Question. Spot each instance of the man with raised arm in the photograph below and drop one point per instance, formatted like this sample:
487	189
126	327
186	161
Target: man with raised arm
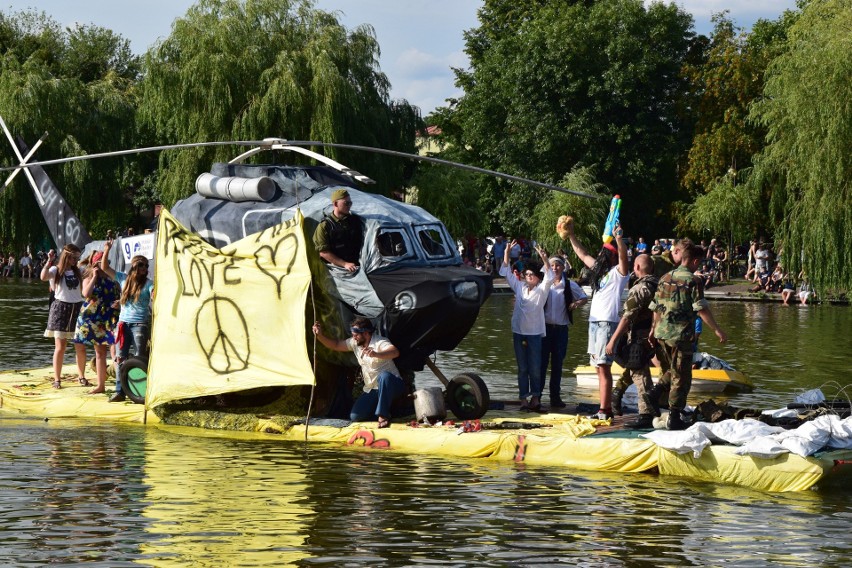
382	381
609	277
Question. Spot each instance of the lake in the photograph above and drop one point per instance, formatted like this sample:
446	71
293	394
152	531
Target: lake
74	491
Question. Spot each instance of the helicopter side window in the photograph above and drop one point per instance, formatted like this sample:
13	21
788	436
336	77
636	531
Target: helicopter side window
432	242
392	243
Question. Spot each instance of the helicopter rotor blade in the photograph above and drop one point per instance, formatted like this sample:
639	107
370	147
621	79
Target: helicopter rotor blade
269	142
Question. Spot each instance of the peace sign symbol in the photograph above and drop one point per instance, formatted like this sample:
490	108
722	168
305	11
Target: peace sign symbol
223	335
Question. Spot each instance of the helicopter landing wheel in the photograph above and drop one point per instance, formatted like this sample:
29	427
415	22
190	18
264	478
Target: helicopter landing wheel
467	396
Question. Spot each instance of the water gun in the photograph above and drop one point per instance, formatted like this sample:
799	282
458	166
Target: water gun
612	219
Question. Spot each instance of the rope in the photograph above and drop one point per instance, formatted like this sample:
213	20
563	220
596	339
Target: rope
314	386
314	349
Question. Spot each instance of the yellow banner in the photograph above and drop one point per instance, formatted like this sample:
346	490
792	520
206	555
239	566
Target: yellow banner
229	319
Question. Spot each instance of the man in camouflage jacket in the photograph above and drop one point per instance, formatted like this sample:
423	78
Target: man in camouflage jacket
637	319
679	297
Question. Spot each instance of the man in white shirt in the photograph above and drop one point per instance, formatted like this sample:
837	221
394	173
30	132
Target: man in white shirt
382	381
610	275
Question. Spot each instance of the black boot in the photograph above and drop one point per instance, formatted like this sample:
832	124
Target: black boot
652	398
675	421
644	422
617	395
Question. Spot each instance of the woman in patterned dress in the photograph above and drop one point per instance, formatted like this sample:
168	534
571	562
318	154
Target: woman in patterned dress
98	316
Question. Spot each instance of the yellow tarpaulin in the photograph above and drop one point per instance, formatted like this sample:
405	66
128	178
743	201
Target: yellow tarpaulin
228	319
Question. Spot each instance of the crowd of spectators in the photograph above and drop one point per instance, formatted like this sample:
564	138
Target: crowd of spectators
755	261
24	265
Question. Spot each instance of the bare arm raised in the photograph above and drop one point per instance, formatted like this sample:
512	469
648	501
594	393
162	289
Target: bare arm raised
623	267
108	270
581	252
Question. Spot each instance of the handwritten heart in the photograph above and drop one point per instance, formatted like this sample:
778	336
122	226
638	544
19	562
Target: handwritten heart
278	256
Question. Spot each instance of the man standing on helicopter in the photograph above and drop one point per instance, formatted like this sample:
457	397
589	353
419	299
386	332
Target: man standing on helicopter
339	236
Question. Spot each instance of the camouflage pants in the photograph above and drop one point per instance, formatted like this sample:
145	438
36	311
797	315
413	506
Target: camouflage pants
642	379
676	365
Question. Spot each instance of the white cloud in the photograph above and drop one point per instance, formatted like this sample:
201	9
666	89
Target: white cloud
428	94
743	12
415	64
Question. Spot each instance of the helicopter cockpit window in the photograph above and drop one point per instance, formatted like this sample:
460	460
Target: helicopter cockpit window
393	243
433	242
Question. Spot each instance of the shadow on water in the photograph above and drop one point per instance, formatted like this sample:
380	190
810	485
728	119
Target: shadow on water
113	495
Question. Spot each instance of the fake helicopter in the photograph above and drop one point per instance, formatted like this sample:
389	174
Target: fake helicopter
412	283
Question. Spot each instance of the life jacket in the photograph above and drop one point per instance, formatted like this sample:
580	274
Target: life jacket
345	239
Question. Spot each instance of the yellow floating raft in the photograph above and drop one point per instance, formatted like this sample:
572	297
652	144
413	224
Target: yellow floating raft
562	440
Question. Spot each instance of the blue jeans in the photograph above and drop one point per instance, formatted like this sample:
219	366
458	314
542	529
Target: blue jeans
554	347
528	354
377	402
136	337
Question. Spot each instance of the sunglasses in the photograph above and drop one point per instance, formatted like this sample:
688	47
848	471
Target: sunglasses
530	273
347	202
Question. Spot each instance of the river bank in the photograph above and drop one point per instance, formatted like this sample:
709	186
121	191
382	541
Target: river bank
737	290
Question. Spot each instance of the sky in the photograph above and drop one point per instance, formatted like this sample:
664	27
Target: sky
420	40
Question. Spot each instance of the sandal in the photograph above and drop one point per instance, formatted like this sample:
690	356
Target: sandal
57	384
84	382
383	423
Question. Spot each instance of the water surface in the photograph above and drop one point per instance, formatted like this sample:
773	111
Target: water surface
74	491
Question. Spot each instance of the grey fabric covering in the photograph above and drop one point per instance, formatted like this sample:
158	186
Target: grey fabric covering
221	222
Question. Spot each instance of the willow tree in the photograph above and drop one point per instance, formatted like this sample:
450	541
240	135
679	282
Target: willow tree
808	159
728	208
77	84
589	214
246	70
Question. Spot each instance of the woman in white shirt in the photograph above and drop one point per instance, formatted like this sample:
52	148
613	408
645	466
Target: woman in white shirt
564	297
528	326
62	321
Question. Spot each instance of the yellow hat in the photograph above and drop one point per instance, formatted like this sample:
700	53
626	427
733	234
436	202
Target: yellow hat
339	194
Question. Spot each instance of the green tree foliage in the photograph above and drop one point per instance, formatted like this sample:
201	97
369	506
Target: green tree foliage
589	214
807	163
446	193
558	84
246	70
77	84
729	208
724	85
